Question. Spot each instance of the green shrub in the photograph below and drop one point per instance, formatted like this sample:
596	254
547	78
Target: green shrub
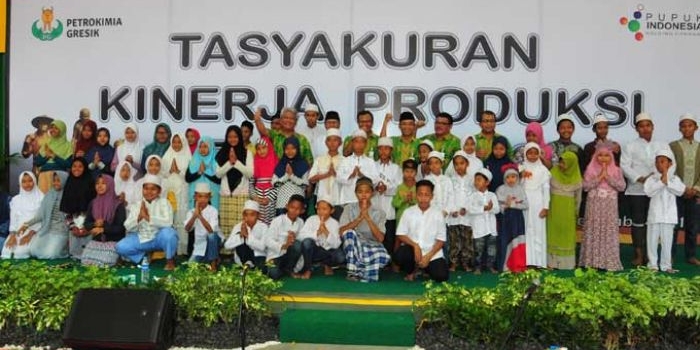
202	295
591	309
37	295
34	294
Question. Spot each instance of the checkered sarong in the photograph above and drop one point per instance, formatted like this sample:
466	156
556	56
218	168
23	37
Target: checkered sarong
364	258
230	212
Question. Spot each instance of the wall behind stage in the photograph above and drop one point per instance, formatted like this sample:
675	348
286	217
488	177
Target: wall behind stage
212	62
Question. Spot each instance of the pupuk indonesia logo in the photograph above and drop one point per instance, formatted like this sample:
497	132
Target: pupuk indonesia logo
633	24
47	27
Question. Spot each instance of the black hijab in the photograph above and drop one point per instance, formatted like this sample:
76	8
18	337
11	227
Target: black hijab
233	176
78	191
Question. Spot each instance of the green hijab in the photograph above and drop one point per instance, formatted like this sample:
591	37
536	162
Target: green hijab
571	174
59	144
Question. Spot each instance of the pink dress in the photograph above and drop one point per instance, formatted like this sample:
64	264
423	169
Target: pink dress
600	247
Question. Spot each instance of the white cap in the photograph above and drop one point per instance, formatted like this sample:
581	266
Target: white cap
359	133
665	153
332	132
642	116
436	154
485	172
251	205
151	179
598	118
428	143
385	141
510	171
202	187
565	116
325	198
687	116
462	154
311	108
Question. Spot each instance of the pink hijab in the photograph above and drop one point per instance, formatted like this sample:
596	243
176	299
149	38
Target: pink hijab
536	128
593	168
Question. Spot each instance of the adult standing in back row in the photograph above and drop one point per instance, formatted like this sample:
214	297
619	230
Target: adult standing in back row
443	140
288	122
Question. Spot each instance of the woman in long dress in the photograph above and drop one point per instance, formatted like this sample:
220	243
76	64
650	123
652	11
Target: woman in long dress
51	241
23	207
175	162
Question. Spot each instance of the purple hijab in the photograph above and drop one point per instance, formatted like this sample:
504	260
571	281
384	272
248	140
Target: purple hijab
105	206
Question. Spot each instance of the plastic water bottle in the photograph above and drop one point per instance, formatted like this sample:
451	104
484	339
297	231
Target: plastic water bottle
145	271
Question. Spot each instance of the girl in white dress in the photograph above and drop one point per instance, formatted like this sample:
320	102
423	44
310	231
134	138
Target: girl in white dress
23	208
535	180
175	162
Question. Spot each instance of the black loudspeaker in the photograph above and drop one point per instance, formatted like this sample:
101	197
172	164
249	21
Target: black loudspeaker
120	319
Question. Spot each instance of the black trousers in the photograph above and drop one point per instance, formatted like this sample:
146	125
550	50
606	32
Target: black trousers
437	269
639	210
689	222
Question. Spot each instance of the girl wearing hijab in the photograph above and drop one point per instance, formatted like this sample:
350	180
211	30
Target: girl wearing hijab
202	168
101	154
104	223
130	150
264	192
534	133
565	188
54	155
160	144
496	160
78	192
23	207
125	186
535	180
51	241
87	139
291	174
600	248
174	163
193	137
234	168
475	163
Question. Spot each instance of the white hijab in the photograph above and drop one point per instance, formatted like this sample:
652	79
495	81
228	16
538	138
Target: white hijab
25	205
540	173
130	148
181	158
131	190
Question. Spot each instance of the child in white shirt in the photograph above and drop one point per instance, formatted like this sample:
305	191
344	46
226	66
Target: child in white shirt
390	177
459	228
663	187
204	219
483	207
248	236
320	240
282	248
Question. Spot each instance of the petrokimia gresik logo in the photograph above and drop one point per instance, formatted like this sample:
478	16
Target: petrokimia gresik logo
47	27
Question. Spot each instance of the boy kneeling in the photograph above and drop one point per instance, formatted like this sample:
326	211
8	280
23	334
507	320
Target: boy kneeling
204	219
320	241
422	232
149	226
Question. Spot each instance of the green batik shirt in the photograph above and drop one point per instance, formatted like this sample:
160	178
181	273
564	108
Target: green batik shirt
449	146
304	146
403	151
370	149
399	201
486	144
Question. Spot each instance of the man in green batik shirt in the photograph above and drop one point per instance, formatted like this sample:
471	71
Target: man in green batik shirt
288	121
365	122
443	140
406	145
484	139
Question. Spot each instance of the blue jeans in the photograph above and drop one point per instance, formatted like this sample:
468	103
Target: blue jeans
285	263
131	248
312	253
212	252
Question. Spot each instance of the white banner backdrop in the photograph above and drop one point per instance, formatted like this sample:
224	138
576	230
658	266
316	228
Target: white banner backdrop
212	62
